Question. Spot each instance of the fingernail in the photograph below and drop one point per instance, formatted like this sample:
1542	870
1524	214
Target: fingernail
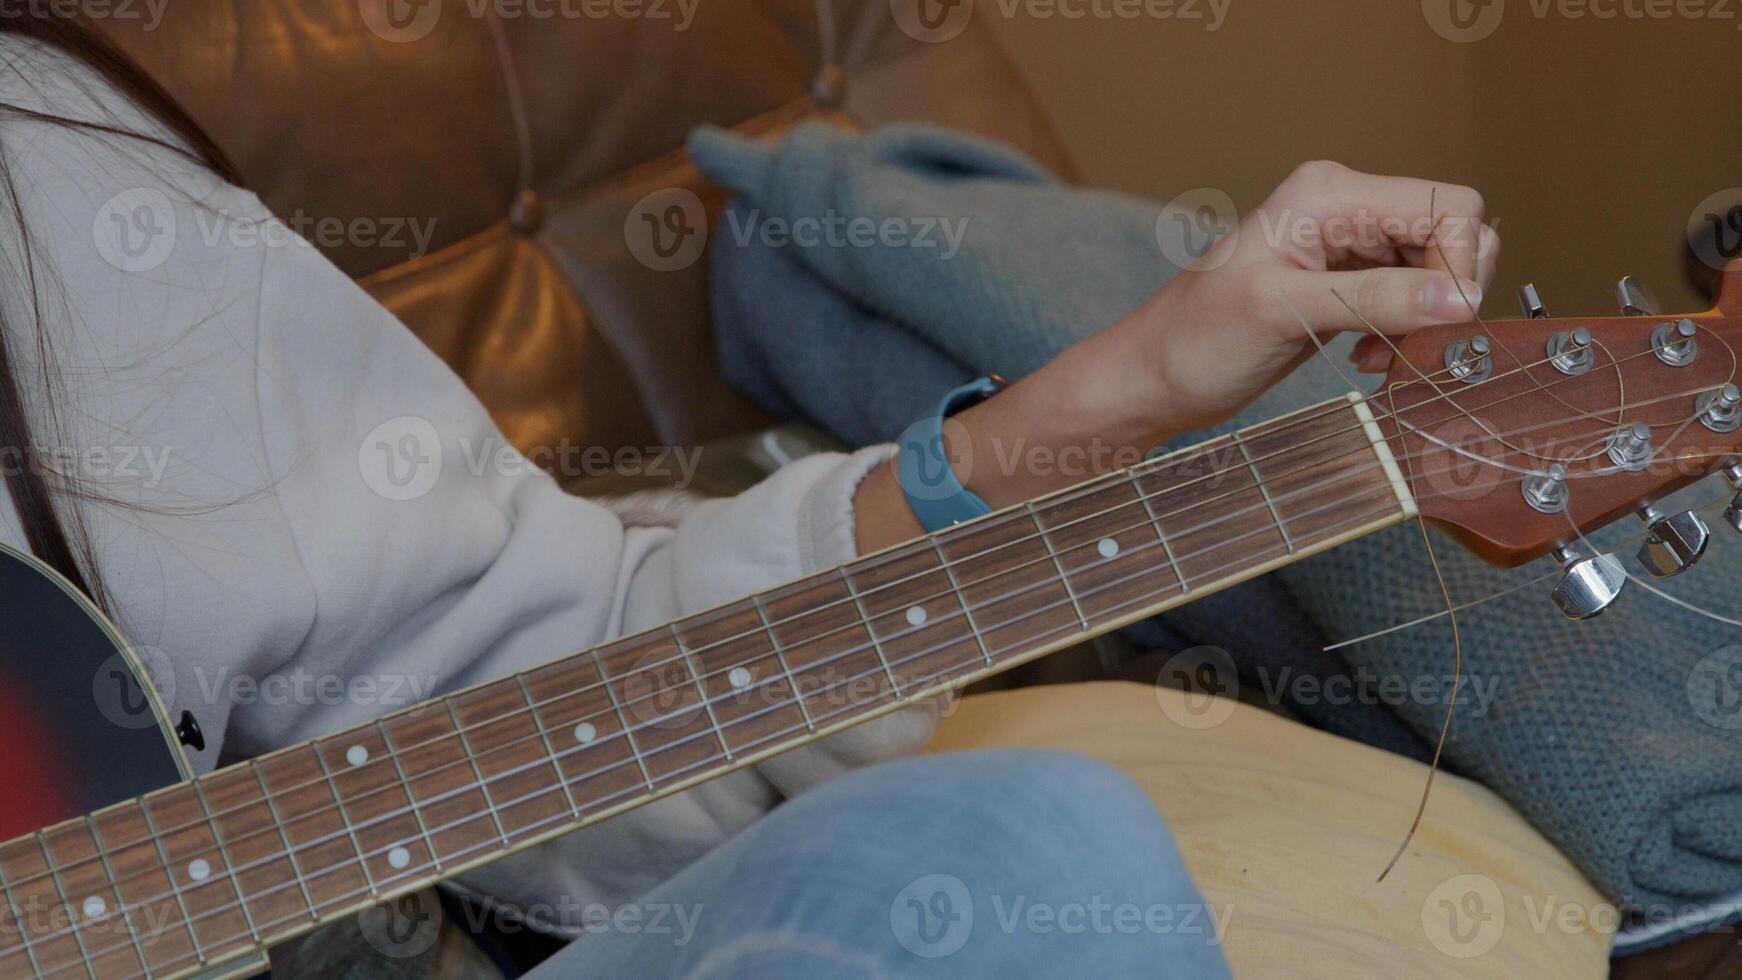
1443	301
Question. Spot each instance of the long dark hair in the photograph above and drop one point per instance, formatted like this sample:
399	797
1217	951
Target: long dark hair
55	528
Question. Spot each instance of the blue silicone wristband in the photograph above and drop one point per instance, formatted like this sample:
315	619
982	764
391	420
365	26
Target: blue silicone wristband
934	493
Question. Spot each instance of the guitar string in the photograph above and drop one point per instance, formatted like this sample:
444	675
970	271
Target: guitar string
231	875
1253	508
690	709
766	738
1042	560
1705	505
560	817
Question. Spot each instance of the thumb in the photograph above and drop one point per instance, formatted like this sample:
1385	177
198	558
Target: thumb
1394	300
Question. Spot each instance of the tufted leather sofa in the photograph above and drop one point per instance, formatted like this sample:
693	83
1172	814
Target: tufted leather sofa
524	147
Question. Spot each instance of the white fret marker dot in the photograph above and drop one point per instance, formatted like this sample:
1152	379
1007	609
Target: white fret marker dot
916	615
1108	547
199	870
399	857
739	678
356	755
95	907
585	732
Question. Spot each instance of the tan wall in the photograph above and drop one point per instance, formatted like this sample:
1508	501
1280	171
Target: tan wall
1593	140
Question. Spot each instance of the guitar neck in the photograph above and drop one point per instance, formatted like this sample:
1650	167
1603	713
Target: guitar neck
260	852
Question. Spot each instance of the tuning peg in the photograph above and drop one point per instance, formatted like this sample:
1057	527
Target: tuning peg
1733	513
1635	299
1530	302
1674	544
1721	410
1590	585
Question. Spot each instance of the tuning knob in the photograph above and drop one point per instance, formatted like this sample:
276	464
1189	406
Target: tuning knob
1733	513
1674	544
1634	299
1589	586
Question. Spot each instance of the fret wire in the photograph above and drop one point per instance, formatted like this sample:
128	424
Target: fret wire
411	795
683	652
870	629
115	887
693	765
962	598
278	824
23	919
622	719
187	919
235	877
1275	514
549	746
345	818
1160	533
786	668
75	926
1065	580
472	758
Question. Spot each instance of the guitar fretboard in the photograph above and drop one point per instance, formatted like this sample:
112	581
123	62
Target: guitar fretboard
259	852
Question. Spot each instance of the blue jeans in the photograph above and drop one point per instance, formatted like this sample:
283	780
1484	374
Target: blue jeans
980	864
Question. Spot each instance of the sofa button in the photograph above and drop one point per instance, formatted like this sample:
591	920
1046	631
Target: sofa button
527	213
829	88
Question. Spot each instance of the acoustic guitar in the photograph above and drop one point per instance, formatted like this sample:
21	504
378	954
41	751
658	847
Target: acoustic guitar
1514	437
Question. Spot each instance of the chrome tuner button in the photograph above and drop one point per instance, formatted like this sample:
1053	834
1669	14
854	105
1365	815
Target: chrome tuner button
1530	302
1674	543
1721	410
1469	361
1546	492
1589	586
1733	513
1675	343
1634	299
1630	446
1570	351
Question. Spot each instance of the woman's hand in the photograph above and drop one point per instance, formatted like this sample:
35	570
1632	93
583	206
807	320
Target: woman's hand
1331	248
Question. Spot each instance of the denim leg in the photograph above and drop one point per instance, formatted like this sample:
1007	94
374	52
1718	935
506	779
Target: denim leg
977	864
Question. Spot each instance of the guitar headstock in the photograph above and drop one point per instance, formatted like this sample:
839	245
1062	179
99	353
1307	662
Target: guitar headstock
1535	430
